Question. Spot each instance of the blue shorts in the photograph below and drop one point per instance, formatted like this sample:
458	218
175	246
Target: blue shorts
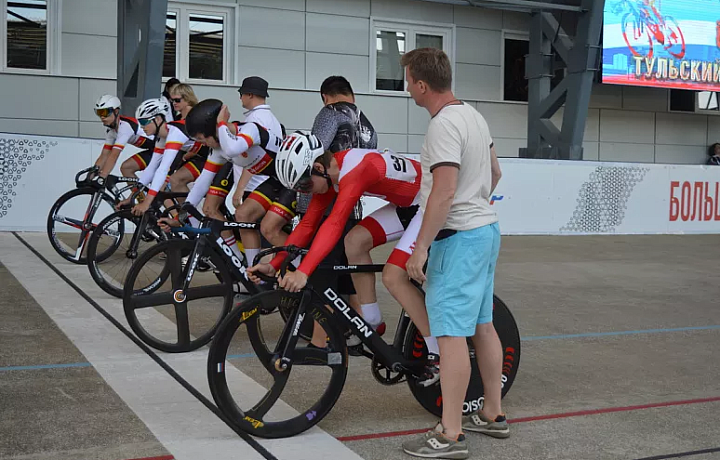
460	281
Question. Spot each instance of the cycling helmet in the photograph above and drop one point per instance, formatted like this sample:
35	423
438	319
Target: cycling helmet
106	104
294	160
202	119
152	108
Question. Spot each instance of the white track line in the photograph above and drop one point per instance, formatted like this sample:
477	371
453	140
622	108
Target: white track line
179	421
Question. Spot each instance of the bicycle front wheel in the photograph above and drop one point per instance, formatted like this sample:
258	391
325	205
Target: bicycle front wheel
161	313
114	246
72	219
246	382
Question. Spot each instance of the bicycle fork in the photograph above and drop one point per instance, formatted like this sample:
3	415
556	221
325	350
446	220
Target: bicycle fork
179	294
290	334
87	225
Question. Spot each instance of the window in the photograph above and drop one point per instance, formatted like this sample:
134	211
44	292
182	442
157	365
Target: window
169	55
27	35
390	40
515	85
198	43
694	101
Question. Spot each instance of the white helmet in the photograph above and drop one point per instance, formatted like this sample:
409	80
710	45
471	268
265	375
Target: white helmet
153	107
106	104
296	156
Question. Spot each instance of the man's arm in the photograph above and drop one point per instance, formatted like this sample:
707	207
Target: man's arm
325	127
303	233
438	204
495	168
202	183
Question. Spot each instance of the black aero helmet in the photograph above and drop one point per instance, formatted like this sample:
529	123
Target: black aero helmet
202	119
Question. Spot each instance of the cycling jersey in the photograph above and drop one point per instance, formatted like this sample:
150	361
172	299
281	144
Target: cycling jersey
253	148
265	118
363	172
165	154
128	132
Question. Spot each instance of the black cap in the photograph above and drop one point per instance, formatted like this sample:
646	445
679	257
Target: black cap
254	85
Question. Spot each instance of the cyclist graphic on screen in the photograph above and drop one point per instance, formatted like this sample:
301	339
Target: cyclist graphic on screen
643	25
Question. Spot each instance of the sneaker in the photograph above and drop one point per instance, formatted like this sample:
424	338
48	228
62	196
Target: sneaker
432	371
479	423
434	444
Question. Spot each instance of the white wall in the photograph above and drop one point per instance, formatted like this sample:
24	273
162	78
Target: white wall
295	44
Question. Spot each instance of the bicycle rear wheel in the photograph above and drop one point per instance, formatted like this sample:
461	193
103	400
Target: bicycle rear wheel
160	316
69	239
247	386
109	270
430	397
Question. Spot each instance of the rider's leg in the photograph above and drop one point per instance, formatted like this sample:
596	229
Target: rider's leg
250	211
280	213
131	166
180	179
358	243
397	281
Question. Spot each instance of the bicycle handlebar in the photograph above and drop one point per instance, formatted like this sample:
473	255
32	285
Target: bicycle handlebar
292	252
192	230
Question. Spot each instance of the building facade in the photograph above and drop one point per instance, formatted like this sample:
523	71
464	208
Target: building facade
49	82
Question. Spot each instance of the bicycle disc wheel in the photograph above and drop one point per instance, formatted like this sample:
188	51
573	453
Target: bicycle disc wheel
110	251
66	227
247	386
430	397
164	317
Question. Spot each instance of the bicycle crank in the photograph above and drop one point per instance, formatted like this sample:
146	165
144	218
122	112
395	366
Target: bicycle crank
384	375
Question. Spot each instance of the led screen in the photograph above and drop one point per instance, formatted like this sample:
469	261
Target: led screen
662	43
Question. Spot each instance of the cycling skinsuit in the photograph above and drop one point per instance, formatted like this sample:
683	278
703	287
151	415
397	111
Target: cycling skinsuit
230	173
363	172
166	159
129	132
253	148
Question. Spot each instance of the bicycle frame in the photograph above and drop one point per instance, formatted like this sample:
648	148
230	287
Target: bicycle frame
389	355
210	231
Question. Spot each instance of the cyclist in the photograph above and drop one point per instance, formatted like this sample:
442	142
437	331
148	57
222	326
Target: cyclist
253	95
120	132
172	139
249	146
302	164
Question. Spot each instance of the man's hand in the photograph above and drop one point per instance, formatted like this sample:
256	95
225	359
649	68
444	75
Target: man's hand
265	269
166	223
293	281
415	264
140	209
237	198
123	203
224	114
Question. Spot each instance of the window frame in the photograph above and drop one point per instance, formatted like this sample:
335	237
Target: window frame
52	67
411	28
184	10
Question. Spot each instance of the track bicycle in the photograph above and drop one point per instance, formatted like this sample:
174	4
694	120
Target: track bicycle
109	269
173	284
90	202
253	402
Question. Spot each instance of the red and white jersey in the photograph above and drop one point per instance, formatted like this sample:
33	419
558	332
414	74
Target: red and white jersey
363	172
128	132
166	150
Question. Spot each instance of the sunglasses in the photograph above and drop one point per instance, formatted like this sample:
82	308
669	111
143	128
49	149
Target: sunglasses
305	184
102	113
145	121
177	100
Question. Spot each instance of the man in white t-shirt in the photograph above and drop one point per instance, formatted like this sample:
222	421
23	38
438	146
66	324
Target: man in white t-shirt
460	171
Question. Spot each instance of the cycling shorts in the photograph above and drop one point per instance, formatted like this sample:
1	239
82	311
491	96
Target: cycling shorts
223	181
273	197
392	223
143	158
194	165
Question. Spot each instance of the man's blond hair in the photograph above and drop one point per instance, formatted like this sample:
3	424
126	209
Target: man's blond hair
430	65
